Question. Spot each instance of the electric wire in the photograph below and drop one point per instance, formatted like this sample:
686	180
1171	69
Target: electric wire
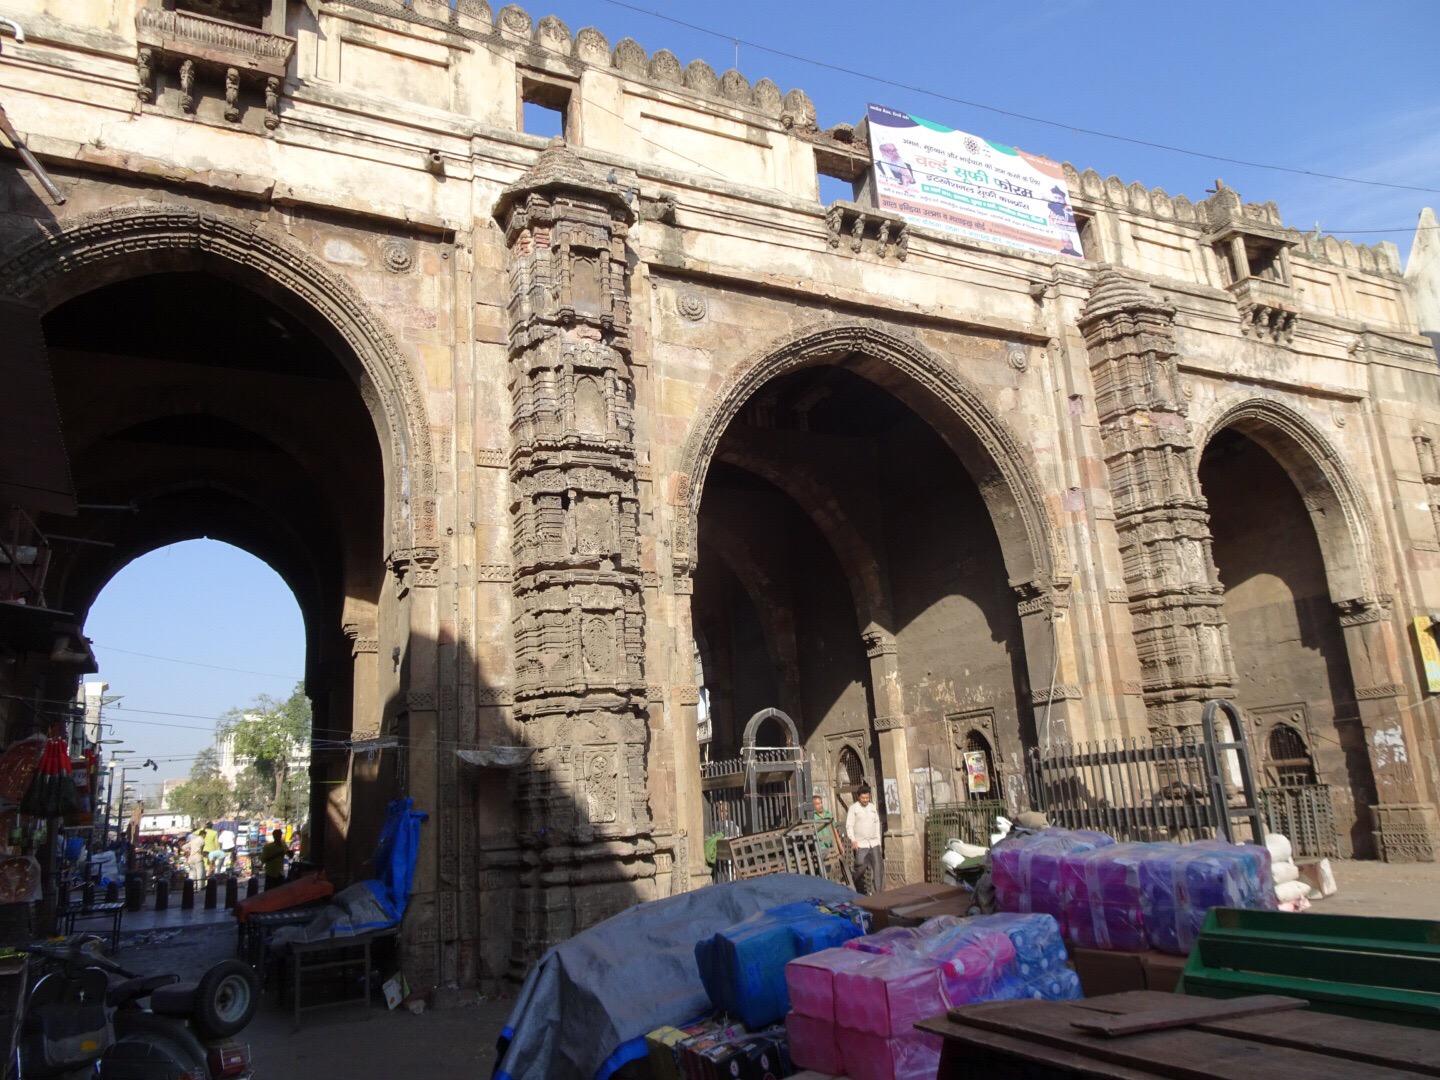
1014	114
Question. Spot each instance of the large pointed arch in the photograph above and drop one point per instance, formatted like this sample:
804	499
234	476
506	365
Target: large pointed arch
1033	548
123	242
1338	510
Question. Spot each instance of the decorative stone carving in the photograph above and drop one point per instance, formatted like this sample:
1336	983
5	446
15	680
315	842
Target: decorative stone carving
1160	515
701	77
630	57
659	208
513	21
397	256
496	572
691	306
578	621
1373	693
887	723
187	86
492	458
272	102
856	228
145	76
551	33
767	97
1017	357
1358	610
735	87
592	46
665	67
798	112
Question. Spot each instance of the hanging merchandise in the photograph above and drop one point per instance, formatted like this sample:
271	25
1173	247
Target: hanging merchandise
84	777
18	766
52	793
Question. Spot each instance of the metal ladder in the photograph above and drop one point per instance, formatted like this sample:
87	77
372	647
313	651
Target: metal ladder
1215	762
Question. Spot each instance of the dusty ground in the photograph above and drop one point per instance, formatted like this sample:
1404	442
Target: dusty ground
347	1042
350	1042
1374	888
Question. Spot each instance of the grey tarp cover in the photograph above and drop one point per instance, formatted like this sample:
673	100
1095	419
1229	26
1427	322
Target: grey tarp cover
632	973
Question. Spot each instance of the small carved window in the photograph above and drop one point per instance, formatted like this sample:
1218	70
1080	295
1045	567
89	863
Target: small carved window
545	108
849	772
1290	761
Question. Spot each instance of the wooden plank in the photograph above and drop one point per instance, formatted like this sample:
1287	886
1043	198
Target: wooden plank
1181	1011
1179	1054
1415	1049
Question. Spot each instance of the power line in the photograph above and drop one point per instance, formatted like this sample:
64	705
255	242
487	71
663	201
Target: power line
197	663
1095	133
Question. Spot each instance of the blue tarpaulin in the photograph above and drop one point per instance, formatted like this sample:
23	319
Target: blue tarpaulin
378	902
588	1003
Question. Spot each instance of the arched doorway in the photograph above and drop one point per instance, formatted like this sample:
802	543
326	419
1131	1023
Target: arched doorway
214	379
862	523
1279	573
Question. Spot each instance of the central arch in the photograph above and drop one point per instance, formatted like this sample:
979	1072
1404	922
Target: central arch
1034	549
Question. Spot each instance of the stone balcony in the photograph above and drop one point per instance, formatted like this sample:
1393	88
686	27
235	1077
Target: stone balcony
197	45
1267	308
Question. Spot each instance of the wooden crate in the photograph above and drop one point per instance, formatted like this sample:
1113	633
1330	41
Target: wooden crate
793	850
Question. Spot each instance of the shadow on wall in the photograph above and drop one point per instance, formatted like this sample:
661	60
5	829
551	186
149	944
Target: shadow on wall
539	831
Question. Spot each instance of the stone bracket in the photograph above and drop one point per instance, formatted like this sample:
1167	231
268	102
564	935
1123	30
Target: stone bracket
860	228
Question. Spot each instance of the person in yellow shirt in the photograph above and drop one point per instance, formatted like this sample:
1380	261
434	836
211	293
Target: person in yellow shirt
272	861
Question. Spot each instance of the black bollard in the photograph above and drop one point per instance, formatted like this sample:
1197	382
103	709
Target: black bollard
252	886
210	887
232	892
134	892
88	895
187	895
112	891
162	894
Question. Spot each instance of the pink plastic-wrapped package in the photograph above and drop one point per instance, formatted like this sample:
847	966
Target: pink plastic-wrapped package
896	939
1101	890
972	967
811	979
914	1055
1026	869
813	1043
888	996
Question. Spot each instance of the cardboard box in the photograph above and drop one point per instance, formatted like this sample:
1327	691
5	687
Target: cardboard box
881	904
956	903
1103	971
1162	971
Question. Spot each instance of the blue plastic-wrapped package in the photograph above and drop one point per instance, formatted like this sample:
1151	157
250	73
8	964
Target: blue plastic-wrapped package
1180	884
743	966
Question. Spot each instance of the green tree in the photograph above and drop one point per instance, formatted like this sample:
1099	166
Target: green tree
268	737
205	796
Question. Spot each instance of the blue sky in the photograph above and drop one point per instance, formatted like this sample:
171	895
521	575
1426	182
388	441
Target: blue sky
1335	87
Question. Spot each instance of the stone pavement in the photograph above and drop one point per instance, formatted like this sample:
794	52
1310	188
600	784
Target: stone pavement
1399	890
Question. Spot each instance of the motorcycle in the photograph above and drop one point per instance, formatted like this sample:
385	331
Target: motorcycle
85	1017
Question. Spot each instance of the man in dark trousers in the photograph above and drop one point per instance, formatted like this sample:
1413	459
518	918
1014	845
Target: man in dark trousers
272	860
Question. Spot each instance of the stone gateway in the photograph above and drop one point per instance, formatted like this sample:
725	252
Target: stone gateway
597	446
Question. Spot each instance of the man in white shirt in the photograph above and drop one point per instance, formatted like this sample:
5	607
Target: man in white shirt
227	848
862	826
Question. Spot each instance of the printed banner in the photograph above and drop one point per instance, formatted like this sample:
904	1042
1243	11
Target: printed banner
945	179
977	772
1429	652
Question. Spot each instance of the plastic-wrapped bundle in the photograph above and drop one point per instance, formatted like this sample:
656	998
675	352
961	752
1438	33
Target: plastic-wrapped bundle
888	996
907	938
1178	886
811	979
743	966
914	1055
1026	870
813	1043
1101	889
971	968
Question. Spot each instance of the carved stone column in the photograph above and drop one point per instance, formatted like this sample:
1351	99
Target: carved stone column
1405	827
1162	520
578	623
904	835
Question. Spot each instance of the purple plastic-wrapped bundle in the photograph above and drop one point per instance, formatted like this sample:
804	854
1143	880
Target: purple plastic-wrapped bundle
1101	891
1026	870
1178	886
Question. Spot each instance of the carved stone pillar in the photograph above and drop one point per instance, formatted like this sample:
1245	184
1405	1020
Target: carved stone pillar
578	623
1405	828
904	836
1162	520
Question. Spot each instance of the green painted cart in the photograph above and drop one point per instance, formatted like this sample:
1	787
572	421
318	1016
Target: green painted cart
1349	965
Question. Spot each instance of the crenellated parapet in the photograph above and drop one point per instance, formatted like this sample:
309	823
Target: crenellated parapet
1089	191
512	24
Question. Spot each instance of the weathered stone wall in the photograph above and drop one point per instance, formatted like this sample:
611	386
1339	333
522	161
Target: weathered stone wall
549	386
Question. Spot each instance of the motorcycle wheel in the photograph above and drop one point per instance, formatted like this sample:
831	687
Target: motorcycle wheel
151	1047
226	999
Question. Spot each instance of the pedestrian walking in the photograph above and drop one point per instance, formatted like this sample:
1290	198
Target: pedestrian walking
862	827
